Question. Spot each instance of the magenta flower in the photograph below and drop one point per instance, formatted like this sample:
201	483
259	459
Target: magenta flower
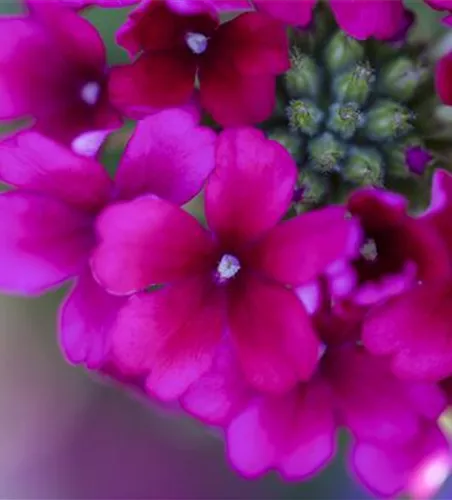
229	284
397	249
414	328
48	221
53	69
295	433
361	19
443	79
236	62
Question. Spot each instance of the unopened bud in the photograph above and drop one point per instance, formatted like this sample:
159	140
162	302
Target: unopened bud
355	84
326	153
302	79
401	78
342	51
345	119
364	167
313	188
388	120
304	116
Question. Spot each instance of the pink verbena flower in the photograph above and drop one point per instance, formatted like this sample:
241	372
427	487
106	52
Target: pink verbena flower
414	328
397	249
230	283
236	62
361	19
48	220
53	69
296	433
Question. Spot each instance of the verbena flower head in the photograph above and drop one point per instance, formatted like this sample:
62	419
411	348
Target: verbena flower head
357	112
309	287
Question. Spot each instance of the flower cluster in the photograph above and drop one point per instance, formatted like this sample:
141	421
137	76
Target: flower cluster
313	292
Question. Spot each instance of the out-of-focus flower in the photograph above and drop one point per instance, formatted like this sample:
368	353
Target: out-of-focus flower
414	328
229	284
48	220
442	5
53	69
398	249
361	19
236	63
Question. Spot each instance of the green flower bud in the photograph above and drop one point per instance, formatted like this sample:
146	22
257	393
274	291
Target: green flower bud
401	78
345	119
314	188
364	166
388	120
292	142
304	116
326	153
355	84
342	51
303	77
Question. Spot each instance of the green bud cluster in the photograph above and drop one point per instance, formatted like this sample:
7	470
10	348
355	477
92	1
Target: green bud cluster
348	111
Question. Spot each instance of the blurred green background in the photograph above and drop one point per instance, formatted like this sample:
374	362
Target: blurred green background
66	434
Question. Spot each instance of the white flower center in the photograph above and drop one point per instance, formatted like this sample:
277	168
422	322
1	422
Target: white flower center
369	251
197	42
90	93
228	267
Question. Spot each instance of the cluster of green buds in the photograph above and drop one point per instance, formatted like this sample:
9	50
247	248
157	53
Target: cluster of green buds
349	112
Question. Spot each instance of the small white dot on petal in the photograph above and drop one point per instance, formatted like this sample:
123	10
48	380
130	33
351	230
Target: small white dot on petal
197	42
90	93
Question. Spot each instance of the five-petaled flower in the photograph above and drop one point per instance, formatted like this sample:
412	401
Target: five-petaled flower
236	63
231	284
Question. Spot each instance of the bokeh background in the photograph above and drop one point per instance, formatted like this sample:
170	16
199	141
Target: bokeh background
65	433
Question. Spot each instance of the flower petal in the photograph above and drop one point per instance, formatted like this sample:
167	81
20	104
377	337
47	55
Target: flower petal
169	155
251	187
30	161
148	241
443	75
153	81
373	403
300	249
293	433
171	334
43	243
389	471
370	18
439	213
275	341
312	443
233	98
416	328
254	43
86	317
251	449
220	393
294	13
